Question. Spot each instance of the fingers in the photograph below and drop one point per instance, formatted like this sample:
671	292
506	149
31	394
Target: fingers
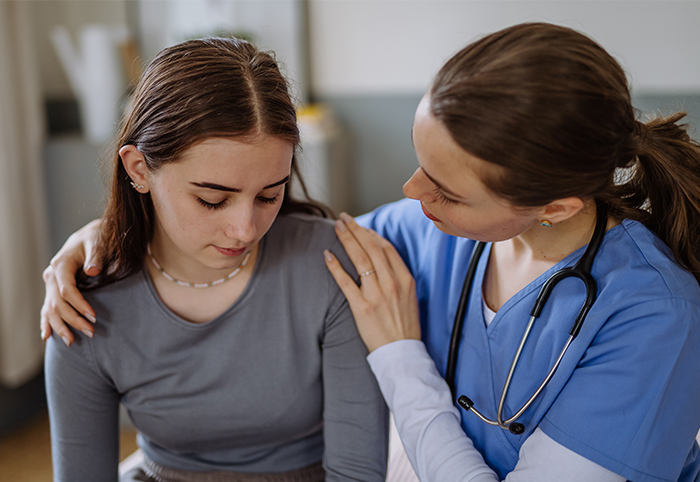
349	234
63	272
398	267
92	263
362	245
79	251
55	313
45	326
385	305
345	282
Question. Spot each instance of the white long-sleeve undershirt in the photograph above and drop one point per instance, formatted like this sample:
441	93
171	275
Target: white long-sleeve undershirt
437	447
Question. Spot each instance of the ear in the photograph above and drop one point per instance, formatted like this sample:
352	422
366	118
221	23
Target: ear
562	209
135	165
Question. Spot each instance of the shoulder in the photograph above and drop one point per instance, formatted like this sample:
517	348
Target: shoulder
637	350
302	231
298	240
121	307
637	261
643	295
129	287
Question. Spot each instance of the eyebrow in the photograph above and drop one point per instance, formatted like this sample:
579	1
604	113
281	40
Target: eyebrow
442	188
219	187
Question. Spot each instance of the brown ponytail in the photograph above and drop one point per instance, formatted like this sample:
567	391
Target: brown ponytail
663	188
551	108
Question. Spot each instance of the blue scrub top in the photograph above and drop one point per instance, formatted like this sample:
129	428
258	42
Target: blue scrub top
627	393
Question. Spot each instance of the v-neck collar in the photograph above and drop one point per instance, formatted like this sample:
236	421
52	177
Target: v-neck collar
476	295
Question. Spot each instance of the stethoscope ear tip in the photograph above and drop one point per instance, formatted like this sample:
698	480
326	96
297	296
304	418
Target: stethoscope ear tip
516	428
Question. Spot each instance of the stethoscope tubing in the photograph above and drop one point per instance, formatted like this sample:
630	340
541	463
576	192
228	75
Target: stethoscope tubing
580	270
460	315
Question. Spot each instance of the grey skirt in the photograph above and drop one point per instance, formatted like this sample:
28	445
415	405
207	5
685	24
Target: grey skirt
149	471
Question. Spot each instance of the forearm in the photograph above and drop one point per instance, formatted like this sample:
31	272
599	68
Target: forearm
426	419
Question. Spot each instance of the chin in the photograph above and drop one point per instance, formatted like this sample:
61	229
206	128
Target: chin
449	230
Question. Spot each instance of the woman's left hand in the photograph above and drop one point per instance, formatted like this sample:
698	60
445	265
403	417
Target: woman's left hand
385	304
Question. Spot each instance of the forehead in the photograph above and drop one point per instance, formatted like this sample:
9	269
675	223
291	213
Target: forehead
445	161
226	158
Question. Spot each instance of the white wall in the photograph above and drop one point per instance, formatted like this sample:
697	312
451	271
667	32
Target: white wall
395	46
273	24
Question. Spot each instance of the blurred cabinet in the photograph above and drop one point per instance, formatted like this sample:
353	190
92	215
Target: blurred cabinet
323	159
75	189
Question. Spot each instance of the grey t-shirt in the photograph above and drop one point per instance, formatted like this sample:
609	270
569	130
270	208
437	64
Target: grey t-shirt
277	382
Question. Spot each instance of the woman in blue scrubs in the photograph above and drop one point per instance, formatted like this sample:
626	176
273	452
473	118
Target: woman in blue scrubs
521	137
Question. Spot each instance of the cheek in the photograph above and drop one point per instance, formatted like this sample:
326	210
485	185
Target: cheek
491	226
175	212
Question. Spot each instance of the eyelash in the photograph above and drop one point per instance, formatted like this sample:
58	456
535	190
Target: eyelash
210	205
266	200
442	198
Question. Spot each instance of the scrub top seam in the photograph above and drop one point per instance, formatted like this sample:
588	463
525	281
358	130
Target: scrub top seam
643	254
646	259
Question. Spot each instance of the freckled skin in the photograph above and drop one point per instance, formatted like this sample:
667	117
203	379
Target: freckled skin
188	232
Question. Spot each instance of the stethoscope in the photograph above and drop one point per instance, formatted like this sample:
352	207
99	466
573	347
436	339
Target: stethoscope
581	270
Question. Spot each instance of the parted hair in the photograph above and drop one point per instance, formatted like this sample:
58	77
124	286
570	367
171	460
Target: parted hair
199	89
552	109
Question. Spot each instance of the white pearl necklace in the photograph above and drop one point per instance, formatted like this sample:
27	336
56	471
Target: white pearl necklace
197	285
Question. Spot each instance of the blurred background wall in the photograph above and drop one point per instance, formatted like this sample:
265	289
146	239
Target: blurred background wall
359	68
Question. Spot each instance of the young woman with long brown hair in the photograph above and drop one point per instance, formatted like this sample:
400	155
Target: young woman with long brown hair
537	175
221	331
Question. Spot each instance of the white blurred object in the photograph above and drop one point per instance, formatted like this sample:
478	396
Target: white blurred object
95	75
131	462
323	161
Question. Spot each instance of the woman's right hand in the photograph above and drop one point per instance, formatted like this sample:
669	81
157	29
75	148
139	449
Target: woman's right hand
63	302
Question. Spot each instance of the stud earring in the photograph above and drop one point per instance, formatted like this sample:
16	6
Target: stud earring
546	223
137	186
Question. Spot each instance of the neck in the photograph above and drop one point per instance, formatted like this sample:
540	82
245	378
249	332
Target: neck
190	269
553	244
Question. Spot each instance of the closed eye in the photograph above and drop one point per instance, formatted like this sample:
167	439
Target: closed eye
211	205
442	198
268	200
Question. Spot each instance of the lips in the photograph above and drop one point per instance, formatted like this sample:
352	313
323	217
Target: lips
230	252
428	215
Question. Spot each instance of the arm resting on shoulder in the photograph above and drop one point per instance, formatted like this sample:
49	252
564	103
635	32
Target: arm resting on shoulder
63	302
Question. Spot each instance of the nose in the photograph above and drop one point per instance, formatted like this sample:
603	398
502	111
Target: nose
240	224
420	187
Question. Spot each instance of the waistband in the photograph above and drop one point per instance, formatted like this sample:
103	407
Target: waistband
158	473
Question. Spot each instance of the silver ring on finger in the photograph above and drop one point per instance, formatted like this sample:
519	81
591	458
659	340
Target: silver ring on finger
367	273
